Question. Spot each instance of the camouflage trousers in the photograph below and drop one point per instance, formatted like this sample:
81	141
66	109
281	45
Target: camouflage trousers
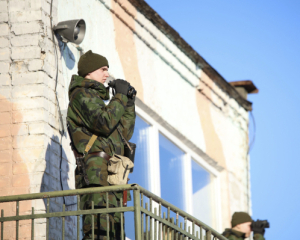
96	169
100	220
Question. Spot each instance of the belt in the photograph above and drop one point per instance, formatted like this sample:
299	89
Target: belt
101	154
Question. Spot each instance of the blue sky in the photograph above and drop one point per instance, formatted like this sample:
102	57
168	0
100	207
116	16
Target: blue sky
260	41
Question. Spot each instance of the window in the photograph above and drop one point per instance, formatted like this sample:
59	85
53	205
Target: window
165	169
140	137
202	194
171	172
140	174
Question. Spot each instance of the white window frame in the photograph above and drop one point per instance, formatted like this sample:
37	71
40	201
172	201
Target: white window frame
190	155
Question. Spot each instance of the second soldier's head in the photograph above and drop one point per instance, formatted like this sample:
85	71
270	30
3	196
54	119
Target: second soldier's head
241	221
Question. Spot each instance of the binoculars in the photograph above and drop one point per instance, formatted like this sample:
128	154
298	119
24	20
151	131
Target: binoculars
261	224
131	92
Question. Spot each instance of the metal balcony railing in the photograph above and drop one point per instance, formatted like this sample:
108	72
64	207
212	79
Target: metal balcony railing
153	217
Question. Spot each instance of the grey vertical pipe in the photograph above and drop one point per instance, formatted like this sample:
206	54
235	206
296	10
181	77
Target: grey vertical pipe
137	214
63	224
17	221
32	224
47	221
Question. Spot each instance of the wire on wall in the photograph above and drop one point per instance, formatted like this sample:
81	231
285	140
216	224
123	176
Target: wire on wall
62	130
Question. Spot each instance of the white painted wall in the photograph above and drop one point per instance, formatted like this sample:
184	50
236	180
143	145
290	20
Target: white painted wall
169	80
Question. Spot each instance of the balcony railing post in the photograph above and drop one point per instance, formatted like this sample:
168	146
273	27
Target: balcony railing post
208	235
2	224
47	219
137	214
17	222
78	217
32	224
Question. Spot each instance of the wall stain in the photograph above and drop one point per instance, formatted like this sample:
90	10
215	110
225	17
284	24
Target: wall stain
214	146
213	143
125	45
14	177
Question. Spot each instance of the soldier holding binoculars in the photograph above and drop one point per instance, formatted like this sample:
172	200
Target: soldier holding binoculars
242	225
97	132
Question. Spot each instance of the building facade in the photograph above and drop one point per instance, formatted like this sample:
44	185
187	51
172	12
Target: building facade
192	125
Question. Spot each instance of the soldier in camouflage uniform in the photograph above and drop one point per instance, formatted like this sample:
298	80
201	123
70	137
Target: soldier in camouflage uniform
241	228
88	115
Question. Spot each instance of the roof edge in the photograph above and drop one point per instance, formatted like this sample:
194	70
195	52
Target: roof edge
174	36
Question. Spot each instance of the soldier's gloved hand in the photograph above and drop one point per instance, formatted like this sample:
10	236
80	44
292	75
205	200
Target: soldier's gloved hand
130	102
257	228
121	86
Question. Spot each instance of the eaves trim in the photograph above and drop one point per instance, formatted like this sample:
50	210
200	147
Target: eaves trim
174	36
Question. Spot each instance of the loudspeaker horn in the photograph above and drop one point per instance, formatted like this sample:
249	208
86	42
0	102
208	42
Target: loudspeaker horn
71	31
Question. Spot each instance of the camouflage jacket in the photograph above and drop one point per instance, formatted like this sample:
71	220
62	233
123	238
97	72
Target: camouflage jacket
235	235
88	115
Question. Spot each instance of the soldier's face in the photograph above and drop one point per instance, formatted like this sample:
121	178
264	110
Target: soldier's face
244	228
100	75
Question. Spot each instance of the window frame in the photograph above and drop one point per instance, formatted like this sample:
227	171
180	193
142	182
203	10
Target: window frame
155	129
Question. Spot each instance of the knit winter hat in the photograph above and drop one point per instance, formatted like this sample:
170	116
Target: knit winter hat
240	217
89	62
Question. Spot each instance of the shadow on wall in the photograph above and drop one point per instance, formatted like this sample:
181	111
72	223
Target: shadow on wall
56	177
67	55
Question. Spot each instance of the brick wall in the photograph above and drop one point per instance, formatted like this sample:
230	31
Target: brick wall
30	152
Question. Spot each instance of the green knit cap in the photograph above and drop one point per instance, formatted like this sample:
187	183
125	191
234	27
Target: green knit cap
240	217
89	62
